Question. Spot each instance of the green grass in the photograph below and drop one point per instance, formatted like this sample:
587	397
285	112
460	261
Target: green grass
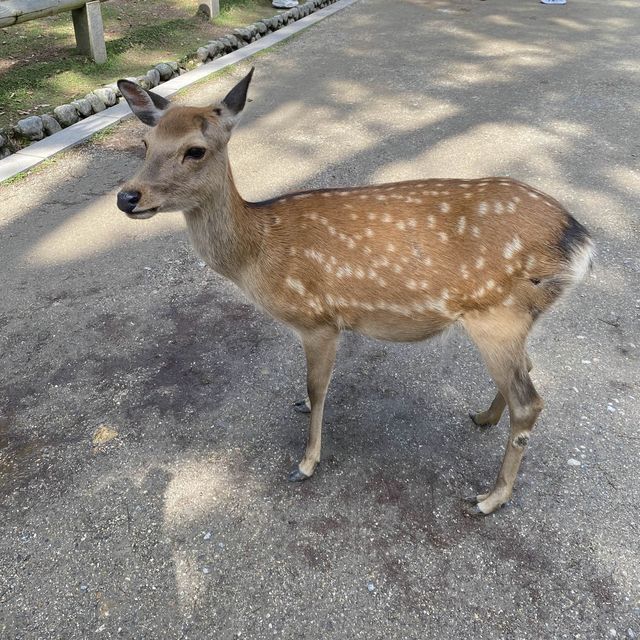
39	68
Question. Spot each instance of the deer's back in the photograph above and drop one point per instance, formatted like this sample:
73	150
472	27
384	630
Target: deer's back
407	258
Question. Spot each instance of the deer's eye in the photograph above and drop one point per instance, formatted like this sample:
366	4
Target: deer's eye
195	152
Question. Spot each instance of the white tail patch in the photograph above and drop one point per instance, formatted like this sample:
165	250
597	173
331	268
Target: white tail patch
581	261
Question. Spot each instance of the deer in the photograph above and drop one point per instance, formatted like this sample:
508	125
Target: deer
399	262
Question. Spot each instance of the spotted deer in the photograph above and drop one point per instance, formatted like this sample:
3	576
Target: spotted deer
398	262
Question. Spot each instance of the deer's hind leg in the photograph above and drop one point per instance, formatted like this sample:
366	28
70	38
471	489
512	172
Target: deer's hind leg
500	334
492	415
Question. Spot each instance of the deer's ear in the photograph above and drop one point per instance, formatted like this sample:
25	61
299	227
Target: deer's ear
146	106
235	100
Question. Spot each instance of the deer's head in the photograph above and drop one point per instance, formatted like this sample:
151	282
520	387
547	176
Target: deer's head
186	150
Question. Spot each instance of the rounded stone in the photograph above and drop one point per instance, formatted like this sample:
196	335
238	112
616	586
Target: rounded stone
96	104
30	128
202	54
107	95
83	106
261	27
164	70
3	140
244	33
5	152
144	82
66	115
153	76
51	125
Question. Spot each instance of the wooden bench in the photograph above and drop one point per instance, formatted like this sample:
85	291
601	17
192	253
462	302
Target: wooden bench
87	20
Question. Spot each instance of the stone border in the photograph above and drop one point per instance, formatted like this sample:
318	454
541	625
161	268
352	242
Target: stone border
20	137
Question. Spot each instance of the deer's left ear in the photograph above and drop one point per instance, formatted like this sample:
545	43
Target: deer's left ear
147	106
234	102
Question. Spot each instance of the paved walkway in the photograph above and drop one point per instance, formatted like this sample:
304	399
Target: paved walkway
183	526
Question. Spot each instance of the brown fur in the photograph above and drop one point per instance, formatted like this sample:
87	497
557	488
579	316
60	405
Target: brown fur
398	261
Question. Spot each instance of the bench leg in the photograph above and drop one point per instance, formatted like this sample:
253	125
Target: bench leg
210	8
87	23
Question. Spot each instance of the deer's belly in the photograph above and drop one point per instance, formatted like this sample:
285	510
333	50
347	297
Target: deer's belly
399	328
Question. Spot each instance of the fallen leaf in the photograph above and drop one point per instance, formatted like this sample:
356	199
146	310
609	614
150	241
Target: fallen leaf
103	434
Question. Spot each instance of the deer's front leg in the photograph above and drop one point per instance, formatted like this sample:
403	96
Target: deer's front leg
320	349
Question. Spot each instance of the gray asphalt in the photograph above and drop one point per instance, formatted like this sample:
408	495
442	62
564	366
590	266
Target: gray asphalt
183	524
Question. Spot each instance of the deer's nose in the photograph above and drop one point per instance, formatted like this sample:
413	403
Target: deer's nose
127	200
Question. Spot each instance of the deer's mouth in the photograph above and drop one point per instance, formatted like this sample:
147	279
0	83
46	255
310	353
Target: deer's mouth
144	214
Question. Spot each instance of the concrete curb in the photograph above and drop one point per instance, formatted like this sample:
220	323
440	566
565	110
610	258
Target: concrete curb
35	153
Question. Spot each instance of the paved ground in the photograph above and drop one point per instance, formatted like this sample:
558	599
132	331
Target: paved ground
183	526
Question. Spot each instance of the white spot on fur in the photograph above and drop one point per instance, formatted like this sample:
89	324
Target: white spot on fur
432	222
479	262
293	251
511	248
443	236
511	206
353	216
300	196
462	223
332	230
381	197
483	208
533	195
296	285
397	268
475	231
368	232
385	217
391	247
400	225
444	207
412	223
498	207
490	284
371	216
411	284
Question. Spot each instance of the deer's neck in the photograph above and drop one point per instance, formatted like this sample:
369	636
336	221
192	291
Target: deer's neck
222	228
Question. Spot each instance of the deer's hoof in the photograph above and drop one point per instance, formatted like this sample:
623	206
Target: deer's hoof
479	422
473	511
301	406
297	476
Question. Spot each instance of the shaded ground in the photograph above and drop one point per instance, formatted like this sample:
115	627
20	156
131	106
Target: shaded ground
184	525
41	69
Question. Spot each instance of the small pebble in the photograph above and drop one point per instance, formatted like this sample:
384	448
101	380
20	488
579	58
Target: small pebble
573	462
207	536
371	586
205	570
631	634
612	633
611	408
